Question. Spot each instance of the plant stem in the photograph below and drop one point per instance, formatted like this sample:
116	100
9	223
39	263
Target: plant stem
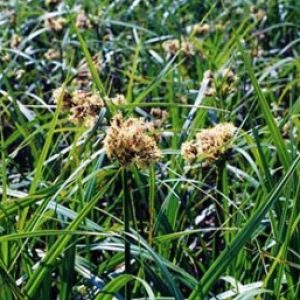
151	203
126	208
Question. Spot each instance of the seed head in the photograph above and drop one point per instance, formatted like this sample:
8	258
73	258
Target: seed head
209	143
257	13
187	48
129	141
223	82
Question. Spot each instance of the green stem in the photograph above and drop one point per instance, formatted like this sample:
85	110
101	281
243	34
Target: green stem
151	203
126	208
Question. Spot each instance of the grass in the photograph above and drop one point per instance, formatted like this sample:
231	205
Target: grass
76	224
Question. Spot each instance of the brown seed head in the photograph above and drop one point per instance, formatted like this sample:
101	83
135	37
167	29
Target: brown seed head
129	141
209	143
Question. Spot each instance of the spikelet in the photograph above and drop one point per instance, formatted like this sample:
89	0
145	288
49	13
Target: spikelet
171	47
187	48
51	54
211	89
201	28
119	99
15	41
66	97
189	151
82	21
129	141
19	74
56	24
160	116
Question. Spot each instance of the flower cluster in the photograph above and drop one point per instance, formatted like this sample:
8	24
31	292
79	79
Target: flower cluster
130	141
222	83
171	47
83	106
209	143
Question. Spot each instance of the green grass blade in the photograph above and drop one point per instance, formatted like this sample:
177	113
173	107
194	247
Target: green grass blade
265	109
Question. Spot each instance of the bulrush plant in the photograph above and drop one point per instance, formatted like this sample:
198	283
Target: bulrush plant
167	158
129	141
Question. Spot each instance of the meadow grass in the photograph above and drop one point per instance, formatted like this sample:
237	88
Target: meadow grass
117	179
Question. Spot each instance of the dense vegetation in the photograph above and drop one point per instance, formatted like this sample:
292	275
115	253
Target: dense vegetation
149	149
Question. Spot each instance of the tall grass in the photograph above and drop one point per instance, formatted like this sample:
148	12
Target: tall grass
76	224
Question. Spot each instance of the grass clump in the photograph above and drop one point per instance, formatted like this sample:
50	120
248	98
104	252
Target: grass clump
149	150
